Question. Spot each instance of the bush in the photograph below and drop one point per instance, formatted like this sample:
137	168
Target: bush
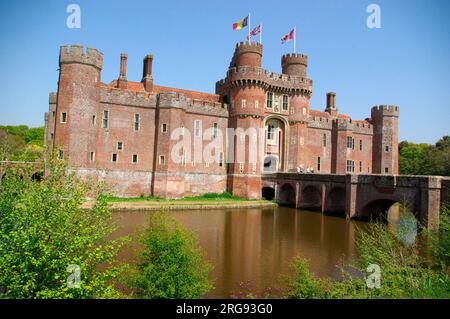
407	271
171	264
44	229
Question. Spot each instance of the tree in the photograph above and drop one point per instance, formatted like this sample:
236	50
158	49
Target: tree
20	143
425	159
45	232
171	264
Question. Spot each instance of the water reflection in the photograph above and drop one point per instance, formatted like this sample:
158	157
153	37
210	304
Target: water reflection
257	245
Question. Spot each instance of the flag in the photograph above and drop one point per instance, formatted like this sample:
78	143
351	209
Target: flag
241	24
254	32
288	37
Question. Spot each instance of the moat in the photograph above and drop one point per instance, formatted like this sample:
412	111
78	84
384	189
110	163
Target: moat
256	244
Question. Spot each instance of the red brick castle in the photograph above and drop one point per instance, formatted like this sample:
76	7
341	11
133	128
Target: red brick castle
121	132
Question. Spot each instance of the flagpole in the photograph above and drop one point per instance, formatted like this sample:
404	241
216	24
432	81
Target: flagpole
260	33
295	38
249	27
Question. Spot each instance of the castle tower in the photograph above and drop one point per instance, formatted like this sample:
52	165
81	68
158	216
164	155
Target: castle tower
247	99
385	139
77	103
295	66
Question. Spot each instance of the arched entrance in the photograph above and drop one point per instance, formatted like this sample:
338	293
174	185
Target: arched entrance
274	149
268	193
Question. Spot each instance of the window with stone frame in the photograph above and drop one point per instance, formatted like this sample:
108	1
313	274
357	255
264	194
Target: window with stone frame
136	123
269	100
105	119
197	128
350	166
285	102
350	142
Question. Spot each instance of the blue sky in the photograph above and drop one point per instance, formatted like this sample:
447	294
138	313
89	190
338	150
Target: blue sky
406	62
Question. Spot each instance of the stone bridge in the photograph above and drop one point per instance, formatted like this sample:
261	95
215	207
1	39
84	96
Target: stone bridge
36	168
360	196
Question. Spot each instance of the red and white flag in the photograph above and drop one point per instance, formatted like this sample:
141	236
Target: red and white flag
254	32
288	37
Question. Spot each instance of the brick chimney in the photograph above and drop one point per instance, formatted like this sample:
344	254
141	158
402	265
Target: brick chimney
331	104
147	77
122	83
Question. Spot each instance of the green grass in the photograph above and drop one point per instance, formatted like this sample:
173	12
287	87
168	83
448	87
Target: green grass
205	197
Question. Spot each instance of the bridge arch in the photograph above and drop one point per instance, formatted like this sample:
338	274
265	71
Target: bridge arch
268	193
311	198
379	208
287	195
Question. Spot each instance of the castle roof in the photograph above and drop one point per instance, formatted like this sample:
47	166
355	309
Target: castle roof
139	87
326	114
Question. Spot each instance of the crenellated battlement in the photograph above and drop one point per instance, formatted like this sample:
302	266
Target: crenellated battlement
248	47
294	58
77	54
127	97
172	99
359	127
249	54
243	75
385	110
180	100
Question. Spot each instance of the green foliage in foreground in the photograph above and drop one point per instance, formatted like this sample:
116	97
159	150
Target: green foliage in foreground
405	273
225	196
171	264
43	230
21	143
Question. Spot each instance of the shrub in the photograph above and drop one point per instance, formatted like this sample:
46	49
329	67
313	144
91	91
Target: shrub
406	270
171	264
44	229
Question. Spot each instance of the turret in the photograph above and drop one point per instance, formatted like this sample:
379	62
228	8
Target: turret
75	54
294	64
77	103
385	139
247	54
